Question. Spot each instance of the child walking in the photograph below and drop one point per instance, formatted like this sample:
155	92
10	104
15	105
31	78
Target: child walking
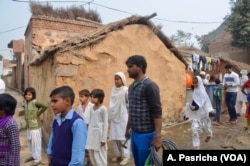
83	110
68	133
33	109
198	112
246	91
9	134
118	116
217	98
97	130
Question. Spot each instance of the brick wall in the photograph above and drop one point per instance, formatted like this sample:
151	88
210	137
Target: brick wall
220	45
44	31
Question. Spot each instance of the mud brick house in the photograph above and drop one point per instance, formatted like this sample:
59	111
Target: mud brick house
219	44
18	71
44	31
89	60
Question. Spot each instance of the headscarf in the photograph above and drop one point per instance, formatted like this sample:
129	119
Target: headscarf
118	100
201	98
207	77
244	77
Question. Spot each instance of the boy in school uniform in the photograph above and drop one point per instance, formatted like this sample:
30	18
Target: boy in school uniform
68	133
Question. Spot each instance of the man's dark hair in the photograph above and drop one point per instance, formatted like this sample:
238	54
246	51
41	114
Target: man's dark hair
84	92
98	93
31	90
228	66
138	60
7	103
64	92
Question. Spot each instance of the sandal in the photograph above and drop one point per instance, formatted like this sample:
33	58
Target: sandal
115	159
207	139
124	162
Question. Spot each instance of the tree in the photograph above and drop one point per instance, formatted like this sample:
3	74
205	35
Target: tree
1	57
182	39
203	44
239	23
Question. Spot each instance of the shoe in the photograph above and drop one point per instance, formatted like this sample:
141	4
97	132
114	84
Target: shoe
234	121
124	162
245	128
221	123
36	163
208	139
115	159
29	159
216	123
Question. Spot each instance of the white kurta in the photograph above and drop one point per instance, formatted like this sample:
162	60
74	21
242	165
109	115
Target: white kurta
241	96
97	133
85	114
118	121
118	116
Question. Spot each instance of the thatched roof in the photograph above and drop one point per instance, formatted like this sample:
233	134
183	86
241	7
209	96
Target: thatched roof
237	65
99	34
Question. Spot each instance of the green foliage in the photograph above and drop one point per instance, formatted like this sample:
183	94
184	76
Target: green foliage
182	39
203	44
239	23
1	57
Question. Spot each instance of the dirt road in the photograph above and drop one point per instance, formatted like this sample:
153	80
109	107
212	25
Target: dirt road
226	136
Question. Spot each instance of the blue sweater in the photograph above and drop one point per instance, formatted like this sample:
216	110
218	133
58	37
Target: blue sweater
67	142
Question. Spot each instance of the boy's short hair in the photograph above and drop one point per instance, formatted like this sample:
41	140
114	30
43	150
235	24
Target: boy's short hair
217	81
98	93
228	66
84	92
64	92
31	90
7	103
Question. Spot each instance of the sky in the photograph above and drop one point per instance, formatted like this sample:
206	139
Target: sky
198	17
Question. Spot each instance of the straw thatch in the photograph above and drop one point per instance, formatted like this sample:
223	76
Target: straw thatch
237	65
95	36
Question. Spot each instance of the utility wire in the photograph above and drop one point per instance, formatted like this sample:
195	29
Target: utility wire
12	29
122	11
46	1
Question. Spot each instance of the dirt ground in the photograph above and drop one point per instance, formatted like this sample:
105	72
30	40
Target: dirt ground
225	136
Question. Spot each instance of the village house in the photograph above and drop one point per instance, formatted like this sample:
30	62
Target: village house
44	31
18	71
8	73
90	60
219	45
